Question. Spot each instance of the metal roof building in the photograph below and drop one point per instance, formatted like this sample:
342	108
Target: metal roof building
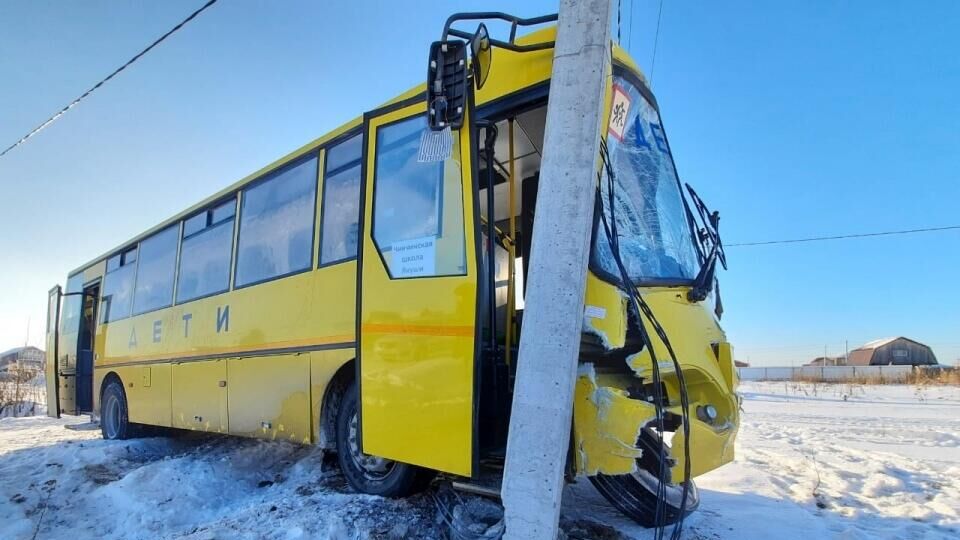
892	351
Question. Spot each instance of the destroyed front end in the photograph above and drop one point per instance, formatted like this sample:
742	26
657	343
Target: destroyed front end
652	307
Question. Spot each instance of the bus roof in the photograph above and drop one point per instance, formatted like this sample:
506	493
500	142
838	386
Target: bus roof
539	36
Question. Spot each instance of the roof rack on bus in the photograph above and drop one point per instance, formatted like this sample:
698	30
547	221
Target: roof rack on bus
514	23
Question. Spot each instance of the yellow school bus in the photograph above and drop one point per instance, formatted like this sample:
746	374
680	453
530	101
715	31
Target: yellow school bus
364	293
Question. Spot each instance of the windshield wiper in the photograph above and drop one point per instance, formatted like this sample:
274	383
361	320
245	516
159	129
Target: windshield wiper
708	236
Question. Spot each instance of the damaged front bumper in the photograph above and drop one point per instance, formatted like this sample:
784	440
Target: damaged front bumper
614	404
609	417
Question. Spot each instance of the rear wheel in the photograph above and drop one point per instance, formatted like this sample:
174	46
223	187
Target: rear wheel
636	494
114	418
366	473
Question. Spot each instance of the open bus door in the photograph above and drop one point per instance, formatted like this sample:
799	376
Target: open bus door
50	365
71	325
417	296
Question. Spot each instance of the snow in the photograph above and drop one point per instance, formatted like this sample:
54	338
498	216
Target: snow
813	461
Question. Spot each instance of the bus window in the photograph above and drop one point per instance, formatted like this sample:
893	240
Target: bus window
158	254
72	307
276	224
341	201
118	285
417	206
205	252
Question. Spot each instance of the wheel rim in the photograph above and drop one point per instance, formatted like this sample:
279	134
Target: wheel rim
372	467
673	493
647	473
111	416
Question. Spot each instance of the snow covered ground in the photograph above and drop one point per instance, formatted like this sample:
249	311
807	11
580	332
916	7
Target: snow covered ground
814	461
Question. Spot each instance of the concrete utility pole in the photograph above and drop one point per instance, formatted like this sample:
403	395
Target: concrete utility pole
540	421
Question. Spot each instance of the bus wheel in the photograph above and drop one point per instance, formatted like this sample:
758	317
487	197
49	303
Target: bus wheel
366	473
114	422
636	494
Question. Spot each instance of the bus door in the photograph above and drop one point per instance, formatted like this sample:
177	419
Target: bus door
418	292
71	327
87	332
50	365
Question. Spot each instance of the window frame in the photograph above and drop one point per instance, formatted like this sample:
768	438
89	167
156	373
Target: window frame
333	143
208	211
314	153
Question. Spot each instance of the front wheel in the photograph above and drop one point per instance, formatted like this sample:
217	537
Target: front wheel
114	418
636	494
371	474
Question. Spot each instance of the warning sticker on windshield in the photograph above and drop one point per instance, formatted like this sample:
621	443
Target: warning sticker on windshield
619	110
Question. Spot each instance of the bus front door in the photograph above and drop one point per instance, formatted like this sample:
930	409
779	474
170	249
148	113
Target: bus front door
417	294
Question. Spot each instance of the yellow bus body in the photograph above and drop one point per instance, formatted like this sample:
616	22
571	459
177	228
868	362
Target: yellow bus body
257	361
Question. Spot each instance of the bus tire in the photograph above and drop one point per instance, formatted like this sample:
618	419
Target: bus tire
370	474
114	419
635	495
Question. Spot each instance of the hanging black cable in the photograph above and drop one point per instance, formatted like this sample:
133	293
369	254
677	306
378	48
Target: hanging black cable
643	311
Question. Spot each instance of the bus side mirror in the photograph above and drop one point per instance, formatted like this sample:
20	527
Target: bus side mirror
446	84
481	55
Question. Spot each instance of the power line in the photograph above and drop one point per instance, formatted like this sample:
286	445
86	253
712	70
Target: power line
656	39
73	103
845	236
619	5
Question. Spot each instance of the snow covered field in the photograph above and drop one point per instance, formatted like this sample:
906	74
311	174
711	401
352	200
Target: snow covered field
814	461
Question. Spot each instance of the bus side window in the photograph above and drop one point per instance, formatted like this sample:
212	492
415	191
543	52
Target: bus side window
341	202
276	224
158	254
118	285
205	252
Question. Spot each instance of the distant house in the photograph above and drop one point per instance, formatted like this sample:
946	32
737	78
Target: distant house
29	358
828	361
893	351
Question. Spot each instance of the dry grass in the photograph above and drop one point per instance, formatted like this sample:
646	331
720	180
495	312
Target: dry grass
935	377
923	377
21	391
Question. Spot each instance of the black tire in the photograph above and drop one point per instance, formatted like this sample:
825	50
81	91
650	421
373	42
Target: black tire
635	495
114	419
370	474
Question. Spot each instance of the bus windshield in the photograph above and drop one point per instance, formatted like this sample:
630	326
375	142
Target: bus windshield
656	241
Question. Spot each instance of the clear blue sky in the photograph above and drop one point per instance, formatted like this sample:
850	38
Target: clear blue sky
793	119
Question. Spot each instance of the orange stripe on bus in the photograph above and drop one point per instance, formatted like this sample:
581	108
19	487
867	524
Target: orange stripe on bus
419	329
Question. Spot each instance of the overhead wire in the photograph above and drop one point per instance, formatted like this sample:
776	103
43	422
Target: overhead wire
844	236
73	103
656	40
619	5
